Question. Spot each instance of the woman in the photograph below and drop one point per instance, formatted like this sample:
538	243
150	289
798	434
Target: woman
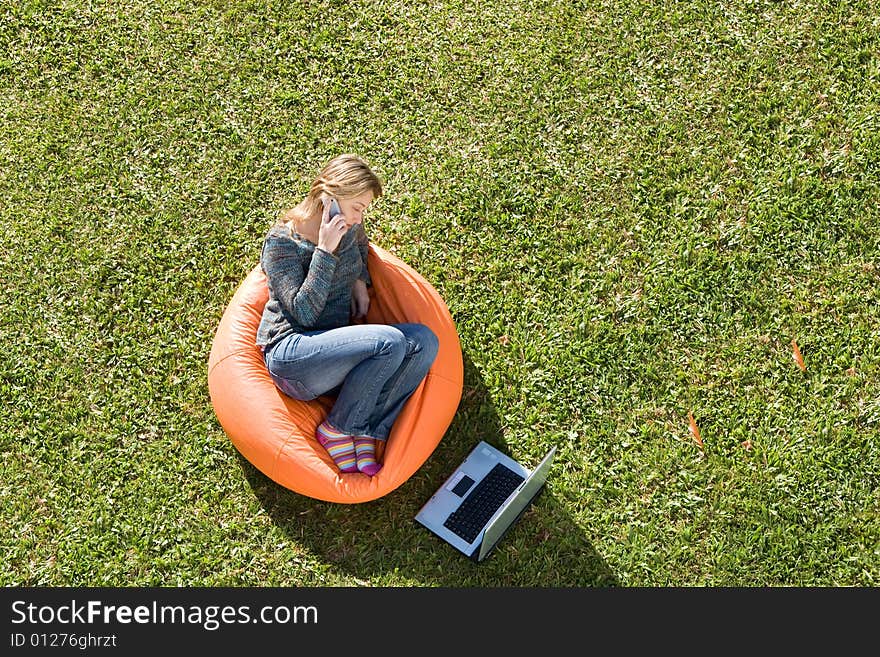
316	265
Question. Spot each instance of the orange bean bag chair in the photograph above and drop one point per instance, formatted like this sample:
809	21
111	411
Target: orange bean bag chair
276	433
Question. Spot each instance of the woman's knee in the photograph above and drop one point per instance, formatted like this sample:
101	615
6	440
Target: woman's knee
422	340
389	340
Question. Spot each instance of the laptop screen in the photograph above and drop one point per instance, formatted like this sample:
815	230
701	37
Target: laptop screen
527	491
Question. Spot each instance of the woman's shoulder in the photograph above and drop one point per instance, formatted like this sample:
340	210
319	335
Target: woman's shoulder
279	231
284	235
282	244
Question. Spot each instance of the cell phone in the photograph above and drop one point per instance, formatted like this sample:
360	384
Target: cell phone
334	208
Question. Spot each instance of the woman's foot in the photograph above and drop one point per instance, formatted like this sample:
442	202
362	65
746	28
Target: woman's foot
339	445
365	448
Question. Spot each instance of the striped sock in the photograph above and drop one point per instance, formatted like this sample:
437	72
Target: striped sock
365	449
339	445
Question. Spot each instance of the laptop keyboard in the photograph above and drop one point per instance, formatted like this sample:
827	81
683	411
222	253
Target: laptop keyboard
470	517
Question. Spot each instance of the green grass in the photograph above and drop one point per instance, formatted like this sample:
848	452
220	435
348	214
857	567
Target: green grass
631	209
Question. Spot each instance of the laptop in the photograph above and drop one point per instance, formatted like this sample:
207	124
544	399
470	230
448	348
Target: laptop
482	499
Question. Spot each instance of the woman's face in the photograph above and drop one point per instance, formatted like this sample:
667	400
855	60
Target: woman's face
354	208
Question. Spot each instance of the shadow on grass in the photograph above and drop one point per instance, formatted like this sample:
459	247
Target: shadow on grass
381	542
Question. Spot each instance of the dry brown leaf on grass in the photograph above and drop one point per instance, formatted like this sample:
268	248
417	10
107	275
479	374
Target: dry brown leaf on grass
695	430
747	444
797	356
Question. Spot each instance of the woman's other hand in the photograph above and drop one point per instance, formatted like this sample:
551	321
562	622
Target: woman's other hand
360	300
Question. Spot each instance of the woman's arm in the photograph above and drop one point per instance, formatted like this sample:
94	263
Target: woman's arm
303	298
363	244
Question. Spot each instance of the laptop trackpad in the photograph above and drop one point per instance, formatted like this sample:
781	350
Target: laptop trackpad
463	486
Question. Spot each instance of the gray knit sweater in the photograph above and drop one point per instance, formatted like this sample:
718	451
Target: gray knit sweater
309	288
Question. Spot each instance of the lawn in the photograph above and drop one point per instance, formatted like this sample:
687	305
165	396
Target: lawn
634	211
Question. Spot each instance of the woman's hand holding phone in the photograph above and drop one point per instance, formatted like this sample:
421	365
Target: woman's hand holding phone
332	228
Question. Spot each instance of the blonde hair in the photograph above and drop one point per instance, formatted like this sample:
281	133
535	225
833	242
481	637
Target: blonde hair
345	176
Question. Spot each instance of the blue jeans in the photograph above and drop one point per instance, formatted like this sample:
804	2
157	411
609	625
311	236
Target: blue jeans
372	369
